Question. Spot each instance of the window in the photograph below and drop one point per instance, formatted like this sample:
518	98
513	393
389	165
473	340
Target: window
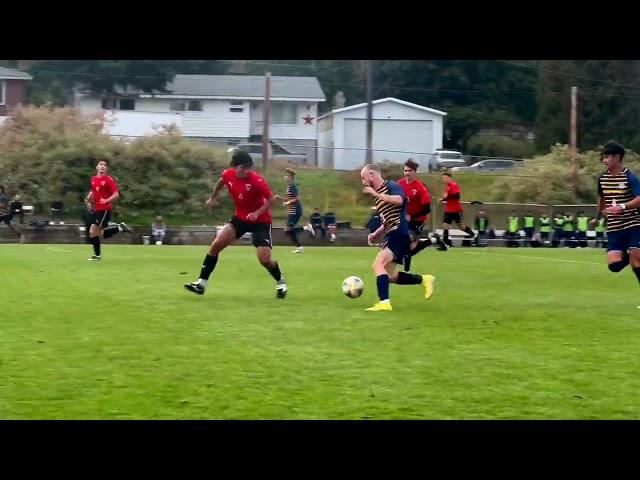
237	106
283	113
185	106
109	103
119	103
194	106
127	104
3	92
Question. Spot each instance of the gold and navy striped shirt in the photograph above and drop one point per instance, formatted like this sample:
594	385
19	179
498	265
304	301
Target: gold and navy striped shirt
292	192
615	190
392	216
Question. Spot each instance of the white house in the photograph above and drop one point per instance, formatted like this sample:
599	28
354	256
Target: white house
224	109
400	130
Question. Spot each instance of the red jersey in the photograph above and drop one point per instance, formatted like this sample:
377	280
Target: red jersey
102	187
417	196
248	194
453	204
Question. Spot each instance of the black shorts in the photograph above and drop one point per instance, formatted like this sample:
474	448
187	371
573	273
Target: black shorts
260	232
101	218
399	244
415	227
452	217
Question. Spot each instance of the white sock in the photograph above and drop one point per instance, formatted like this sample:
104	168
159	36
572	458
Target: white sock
385	301
120	229
203	283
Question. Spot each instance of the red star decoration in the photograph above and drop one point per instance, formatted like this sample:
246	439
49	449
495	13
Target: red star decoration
308	120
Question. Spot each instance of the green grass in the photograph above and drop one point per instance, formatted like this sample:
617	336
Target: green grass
509	334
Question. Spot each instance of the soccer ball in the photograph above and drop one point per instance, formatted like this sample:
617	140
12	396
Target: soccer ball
352	286
158	243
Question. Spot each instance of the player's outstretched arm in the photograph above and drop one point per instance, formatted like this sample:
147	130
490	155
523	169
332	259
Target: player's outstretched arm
213	200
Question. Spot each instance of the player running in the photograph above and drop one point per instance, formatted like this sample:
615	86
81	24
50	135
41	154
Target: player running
252	199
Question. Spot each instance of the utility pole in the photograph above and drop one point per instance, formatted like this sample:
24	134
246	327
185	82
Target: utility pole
266	111
573	133
369	74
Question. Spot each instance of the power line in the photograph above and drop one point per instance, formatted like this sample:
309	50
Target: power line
569	75
343	84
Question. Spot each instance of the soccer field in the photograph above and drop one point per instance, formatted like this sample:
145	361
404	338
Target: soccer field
508	334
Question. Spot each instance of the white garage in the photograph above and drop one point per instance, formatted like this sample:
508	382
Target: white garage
400	130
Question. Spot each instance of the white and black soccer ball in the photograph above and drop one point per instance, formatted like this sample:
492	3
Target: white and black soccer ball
352	286
159	242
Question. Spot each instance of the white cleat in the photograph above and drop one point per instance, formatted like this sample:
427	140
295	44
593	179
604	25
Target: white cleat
298	250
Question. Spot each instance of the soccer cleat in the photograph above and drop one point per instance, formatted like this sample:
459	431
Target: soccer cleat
95	258
427	283
125	227
195	287
441	245
281	289
298	250
380	307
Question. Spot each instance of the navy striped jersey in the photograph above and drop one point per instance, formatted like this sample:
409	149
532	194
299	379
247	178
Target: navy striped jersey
4	204
292	192
617	189
392	216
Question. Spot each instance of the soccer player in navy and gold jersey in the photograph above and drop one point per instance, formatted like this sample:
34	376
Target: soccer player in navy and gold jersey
390	201
619	191
294	208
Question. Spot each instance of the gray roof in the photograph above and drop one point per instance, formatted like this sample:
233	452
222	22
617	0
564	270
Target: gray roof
245	86
11	73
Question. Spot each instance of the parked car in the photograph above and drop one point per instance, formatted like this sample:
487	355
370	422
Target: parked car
276	152
490	165
446	159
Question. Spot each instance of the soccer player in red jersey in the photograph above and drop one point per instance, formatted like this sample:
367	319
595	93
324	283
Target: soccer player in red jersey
252	199
418	210
103	191
453	209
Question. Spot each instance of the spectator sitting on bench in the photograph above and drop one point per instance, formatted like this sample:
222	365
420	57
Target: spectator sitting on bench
158	230
57	209
16	208
330	223
374	221
315	223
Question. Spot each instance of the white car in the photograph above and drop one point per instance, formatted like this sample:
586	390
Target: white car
275	153
447	159
490	165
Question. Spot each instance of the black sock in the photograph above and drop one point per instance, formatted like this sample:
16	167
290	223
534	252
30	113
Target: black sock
209	264
446	235
408	279
111	231
636	270
274	270
468	231
294	237
95	241
407	262
421	245
382	282
616	267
